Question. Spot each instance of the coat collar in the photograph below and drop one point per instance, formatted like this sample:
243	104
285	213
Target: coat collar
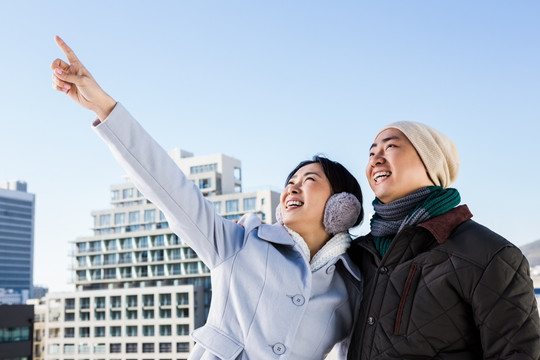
275	233
442	226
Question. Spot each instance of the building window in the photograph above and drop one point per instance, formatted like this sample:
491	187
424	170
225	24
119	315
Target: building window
110	274
110	244
203	168
192	268
104	220
110	259
231	206
99	302
148	347
159	270
142	242
165	347
182	313
148	314
84	303
182	347
217	206
131	347
158	255
127	193
84	332
150	215
165	330
131	314
126	244
131	330
115	331
159	240
148	330
205	183
250	203
164	299
84	316
134	217
69	332
115	195
182	299
99	331
69	317
84	349
116	302
148	300
182	329
165	313
119	218
115	315
99	315
131	300
69	348
54	349
115	348
175	269
99	349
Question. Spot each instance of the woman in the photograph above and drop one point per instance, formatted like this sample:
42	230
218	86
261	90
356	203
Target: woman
287	289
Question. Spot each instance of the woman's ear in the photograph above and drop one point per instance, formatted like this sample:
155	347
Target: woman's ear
341	212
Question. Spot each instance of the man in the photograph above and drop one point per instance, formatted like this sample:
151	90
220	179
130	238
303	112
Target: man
437	284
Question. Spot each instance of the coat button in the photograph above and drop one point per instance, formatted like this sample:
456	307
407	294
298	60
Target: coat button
383	270
330	269
278	349
298	300
371	321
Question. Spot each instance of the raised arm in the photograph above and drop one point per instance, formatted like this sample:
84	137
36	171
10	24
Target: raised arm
73	79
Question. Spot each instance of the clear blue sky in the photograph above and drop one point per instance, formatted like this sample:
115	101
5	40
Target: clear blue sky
272	83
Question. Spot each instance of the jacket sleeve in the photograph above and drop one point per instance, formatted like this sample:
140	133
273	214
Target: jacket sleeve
157	176
505	309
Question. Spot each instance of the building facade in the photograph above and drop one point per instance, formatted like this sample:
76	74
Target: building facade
17	208
16	327
140	289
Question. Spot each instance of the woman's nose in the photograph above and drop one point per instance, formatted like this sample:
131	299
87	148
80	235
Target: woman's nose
292	189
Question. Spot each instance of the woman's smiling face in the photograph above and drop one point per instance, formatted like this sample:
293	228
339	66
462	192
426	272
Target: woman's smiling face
304	198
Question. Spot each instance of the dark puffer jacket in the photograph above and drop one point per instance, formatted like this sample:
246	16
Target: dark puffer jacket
448	288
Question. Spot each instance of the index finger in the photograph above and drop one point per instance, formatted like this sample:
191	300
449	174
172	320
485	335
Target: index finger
66	50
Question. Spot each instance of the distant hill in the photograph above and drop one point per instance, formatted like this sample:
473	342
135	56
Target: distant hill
532	252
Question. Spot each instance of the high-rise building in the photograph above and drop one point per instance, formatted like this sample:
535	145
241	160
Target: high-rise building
140	289
17	208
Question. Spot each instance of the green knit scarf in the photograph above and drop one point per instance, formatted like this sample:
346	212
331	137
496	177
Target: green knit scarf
412	209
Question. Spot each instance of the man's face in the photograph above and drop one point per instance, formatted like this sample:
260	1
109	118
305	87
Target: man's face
395	169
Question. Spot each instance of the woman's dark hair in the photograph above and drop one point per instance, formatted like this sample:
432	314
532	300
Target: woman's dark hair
341	180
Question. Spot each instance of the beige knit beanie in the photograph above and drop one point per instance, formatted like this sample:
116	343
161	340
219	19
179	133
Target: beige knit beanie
438	152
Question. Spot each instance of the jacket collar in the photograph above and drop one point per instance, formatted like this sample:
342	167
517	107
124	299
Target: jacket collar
442	226
275	233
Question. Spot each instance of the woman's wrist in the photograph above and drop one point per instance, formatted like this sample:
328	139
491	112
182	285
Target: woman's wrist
103	110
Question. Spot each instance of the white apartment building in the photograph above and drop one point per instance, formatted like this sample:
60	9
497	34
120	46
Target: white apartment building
140	289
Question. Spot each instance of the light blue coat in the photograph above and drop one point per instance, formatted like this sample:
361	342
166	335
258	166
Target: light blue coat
266	302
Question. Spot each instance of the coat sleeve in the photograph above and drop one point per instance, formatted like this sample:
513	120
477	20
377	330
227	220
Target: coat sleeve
505	309
157	176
